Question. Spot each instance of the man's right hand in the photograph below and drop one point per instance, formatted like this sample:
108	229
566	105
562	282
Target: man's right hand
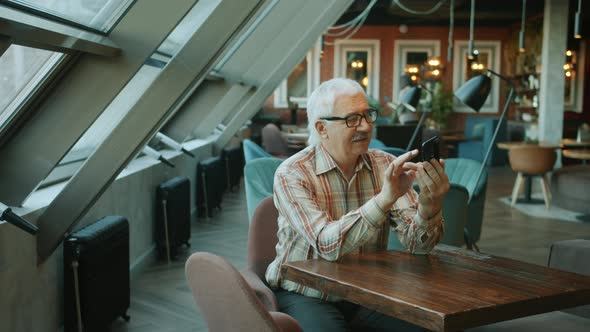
397	180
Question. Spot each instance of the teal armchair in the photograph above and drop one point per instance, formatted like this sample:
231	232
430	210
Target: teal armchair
259	180
253	151
454	214
478	137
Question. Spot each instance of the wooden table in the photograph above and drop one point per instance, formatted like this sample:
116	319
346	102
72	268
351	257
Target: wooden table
447	290
581	154
510	145
572	143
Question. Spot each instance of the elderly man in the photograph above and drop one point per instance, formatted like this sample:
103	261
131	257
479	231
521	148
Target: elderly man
336	197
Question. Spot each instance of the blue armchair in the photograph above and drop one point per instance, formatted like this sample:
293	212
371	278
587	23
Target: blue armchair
259	179
376	144
253	151
455	211
478	136
393	151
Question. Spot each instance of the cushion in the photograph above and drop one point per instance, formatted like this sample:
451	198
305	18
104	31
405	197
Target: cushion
478	131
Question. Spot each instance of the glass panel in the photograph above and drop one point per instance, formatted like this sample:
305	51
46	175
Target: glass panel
97	14
477	65
356	67
297	81
104	125
22	69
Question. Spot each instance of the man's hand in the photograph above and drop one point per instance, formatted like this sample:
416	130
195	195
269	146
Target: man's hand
434	184
397	180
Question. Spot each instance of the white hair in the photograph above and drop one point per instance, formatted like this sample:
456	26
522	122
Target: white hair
321	102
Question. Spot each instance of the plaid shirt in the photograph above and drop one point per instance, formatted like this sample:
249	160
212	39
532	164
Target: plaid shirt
322	214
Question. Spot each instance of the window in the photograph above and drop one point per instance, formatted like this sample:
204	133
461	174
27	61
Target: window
304	78
22	69
358	60
408	53
488	57
96	14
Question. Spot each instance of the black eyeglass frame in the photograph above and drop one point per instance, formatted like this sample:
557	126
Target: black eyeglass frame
370	115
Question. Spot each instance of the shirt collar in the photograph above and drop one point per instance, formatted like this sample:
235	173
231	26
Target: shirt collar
324	161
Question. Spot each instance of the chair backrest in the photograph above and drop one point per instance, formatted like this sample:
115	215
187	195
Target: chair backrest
262	237
532	159
259	179
393	151
272	140
224	298
253	151
464	172
376	144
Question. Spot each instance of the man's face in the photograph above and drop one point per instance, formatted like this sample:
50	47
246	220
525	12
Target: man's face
342	141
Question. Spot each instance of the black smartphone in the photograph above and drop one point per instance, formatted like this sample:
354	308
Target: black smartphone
430	149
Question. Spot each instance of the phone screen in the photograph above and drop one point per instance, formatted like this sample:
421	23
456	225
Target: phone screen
430	149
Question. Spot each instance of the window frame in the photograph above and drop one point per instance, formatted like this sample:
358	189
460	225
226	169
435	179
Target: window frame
280	97
401	48
493	47
372	47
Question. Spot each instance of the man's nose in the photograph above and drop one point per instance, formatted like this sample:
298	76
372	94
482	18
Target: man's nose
365	124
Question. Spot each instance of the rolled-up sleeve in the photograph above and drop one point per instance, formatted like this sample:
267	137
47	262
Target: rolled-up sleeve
416	234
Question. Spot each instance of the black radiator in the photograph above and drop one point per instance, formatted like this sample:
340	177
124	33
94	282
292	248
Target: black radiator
173	215
211	183
96	275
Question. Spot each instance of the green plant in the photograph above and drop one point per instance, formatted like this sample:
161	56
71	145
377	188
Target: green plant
374	104
442	105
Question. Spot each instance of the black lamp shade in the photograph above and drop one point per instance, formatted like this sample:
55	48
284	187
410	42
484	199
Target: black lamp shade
474	92
411	96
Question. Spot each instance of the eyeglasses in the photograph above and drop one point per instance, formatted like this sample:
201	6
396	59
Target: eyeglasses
354	120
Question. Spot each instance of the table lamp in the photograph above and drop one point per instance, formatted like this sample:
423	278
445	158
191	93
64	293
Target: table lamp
474	93
409	98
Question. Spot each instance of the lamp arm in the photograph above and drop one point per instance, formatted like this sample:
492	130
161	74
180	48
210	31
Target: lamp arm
421	121
418	126
485	159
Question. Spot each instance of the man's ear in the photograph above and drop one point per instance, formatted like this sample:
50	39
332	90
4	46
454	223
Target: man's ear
322	128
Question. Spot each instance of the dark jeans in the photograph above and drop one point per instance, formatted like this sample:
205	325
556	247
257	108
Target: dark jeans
316	315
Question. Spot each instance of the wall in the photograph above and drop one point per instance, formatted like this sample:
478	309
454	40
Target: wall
388	34
31	296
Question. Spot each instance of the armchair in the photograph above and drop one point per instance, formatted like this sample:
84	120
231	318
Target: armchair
259	180
478	136
226	300
253	151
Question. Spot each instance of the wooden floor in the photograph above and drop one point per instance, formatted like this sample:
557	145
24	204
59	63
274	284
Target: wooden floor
161	300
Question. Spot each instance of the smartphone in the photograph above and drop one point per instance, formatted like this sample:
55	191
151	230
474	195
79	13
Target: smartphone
430	149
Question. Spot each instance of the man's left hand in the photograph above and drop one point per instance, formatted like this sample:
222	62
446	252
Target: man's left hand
434	184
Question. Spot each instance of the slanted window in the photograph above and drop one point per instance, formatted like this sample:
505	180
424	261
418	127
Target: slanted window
22	70
98	15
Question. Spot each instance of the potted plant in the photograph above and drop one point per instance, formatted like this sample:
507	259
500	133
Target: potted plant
441	106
